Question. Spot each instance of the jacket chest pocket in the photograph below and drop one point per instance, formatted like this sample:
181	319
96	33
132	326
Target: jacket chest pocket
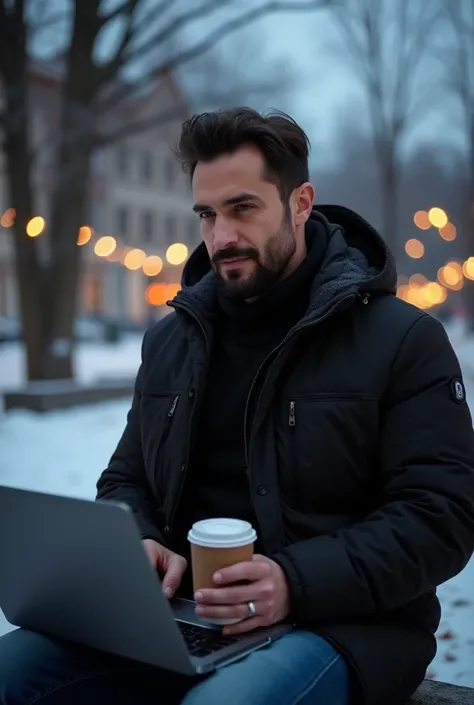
159	411
326	449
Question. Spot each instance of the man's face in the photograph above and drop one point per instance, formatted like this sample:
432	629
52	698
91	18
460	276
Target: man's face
246	228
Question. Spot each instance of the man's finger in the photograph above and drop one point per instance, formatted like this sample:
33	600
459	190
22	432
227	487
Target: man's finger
226	596
173	575
247	570
222	611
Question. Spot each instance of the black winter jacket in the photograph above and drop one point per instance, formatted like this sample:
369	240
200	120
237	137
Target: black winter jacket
360	453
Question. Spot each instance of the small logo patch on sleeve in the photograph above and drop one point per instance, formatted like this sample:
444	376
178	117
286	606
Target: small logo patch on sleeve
458	391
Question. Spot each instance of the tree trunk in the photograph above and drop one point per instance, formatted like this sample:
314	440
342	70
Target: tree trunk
19	179
69	205
27	269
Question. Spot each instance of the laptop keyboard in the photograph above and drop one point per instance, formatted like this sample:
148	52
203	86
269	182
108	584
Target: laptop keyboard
201	641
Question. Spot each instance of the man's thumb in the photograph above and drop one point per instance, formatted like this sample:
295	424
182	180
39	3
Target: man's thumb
172	579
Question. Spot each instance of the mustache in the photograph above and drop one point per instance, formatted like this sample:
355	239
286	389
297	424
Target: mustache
234	253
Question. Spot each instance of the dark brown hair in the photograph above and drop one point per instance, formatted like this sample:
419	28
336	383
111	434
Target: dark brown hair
284	145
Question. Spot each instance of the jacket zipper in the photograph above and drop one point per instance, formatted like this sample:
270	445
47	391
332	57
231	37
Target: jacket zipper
292	414
290	335
164	435
173	407
193	315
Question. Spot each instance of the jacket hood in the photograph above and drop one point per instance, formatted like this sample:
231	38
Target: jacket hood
356	260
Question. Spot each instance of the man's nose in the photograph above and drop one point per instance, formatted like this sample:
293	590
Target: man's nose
225	234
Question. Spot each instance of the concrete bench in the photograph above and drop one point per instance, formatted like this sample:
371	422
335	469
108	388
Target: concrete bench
437	693
62	394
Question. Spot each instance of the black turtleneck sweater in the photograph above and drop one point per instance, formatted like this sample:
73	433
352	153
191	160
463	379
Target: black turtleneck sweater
244	335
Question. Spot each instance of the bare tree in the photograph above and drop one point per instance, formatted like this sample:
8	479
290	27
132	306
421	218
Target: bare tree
153	39
459	64
385	43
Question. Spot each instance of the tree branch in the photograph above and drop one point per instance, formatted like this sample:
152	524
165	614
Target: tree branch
109	70
212	39
177	23
162	118
232	26
175	113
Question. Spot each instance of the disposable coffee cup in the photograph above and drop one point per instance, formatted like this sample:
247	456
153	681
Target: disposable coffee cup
216	544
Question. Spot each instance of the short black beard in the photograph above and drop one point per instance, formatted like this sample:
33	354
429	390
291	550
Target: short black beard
278	253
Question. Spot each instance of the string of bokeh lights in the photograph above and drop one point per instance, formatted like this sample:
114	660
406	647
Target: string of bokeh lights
111	249
417	289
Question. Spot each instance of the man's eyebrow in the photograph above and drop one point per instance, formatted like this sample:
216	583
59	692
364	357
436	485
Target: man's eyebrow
235	200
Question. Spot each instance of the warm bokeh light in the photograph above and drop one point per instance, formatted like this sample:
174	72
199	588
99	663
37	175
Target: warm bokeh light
105	246
116	255
84	235
35	226
414	248
448	232
402	291
134	258
422	220
451	276
424	296
8	218
437	217
152	265
434	294
417	280
177	253
158	293
173	290
468	268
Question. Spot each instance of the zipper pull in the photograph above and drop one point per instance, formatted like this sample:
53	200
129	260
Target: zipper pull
173	407
366	298
292	414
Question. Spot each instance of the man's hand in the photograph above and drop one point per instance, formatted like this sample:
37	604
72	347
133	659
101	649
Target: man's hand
267	588
168	564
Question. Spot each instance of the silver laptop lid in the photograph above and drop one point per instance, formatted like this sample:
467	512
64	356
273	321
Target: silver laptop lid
75	569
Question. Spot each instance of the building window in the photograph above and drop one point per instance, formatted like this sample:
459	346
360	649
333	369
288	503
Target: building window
170	229
147	226
122	224
147	167
123	159
170	172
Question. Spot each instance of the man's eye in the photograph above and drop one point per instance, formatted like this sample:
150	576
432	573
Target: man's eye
204	215
242	207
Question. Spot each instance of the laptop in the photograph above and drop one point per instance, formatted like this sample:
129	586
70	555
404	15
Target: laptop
76	569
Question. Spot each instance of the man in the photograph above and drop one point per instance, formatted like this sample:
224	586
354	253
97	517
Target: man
290	388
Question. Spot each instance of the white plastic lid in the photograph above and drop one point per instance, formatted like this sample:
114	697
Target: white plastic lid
222	533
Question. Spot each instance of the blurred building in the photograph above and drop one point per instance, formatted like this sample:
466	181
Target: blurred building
138	195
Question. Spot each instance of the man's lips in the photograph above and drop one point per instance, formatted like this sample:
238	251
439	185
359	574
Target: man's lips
233	261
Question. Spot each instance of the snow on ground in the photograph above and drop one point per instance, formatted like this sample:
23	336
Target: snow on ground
93	361
64	452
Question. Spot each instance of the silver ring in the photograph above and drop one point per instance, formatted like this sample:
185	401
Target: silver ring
251	608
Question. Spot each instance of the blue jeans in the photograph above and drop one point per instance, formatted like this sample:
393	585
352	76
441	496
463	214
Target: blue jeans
299	669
